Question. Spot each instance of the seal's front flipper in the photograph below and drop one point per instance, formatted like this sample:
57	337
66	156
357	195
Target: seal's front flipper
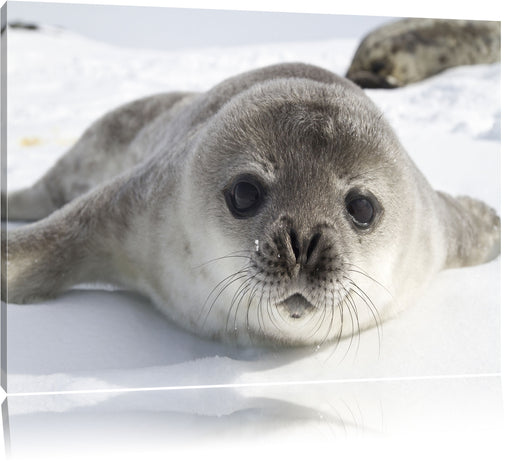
472	230
28	204
73	245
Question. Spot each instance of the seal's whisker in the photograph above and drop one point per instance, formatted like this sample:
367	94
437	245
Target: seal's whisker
259	312
220	287
249	304
238	295
271	313
247	290
344	301
359	270
336	307
352	310
279	297
211	294
371	308
330	324
339	306
320	322
324	316
369	303
247	293
223	285
235	254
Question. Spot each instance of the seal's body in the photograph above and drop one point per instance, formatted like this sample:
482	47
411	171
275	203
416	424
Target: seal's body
410	50
277	207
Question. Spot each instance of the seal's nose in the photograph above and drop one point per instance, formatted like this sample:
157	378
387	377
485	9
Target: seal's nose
304	247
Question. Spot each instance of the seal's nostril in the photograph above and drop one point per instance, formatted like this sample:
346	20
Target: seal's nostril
294	240
312	245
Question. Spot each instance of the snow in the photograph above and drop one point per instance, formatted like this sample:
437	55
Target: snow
107	340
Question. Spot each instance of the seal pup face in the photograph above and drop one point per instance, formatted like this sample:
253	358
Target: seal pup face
302	197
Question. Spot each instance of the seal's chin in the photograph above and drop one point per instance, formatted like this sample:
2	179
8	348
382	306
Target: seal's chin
296	306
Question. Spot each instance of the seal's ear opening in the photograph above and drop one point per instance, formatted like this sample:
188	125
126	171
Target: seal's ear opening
472	230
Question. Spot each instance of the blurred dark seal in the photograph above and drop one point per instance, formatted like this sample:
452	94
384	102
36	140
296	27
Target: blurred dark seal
410	50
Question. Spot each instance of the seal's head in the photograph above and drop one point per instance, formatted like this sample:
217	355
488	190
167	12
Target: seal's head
318	216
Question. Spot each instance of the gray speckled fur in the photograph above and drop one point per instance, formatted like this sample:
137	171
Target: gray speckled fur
410	50
138	201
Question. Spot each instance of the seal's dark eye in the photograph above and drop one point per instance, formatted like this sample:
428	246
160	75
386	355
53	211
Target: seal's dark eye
244	197
361	210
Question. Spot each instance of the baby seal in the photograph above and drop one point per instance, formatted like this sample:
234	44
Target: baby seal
410	50
279	207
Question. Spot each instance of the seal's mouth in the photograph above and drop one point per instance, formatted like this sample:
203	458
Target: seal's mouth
296	305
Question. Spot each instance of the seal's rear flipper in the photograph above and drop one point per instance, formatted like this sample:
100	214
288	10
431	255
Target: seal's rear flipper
472	230
73	245
103	151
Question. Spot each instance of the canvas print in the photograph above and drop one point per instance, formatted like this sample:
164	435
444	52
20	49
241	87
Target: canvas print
238	214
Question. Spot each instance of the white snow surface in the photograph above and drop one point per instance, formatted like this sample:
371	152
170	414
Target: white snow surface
90	339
